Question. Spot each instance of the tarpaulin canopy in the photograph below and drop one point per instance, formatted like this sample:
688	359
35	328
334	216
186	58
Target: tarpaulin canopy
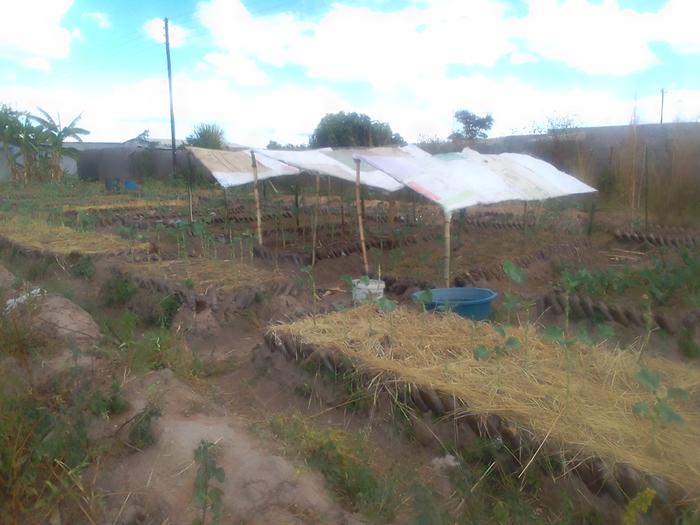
460	180
340	163
234	168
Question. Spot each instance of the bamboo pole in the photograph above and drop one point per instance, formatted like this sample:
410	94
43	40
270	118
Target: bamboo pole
646	189
448	251
315	224
258	215
360	224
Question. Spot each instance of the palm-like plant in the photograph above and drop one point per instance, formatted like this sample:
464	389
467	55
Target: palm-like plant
209	136
10	126
55	135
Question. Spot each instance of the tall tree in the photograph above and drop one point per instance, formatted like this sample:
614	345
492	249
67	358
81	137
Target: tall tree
55	135
352	130
209	136
473	126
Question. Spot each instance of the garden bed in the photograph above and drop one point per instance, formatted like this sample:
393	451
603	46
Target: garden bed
36	237
224	286
571	400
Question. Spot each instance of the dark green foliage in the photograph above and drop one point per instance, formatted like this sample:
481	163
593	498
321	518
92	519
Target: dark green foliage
687	344
209	136
659	411
207	498
352	130
169	305
37	270
109	404
473	126
84	268
140	431
117	290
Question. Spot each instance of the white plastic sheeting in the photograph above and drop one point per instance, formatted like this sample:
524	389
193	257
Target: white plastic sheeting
235	168
460	180
340	163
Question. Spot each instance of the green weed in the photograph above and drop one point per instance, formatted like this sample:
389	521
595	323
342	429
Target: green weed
84	268
140	430
117	291
344	464
207	497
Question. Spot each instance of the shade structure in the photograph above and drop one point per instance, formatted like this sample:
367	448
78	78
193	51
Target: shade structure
339	163
235	168
460	180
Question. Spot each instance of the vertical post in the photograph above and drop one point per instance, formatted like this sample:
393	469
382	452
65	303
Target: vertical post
315	224
413	206
258	216
591	216
525	216
296	206
448	251
360	224
170	90
646	188
663	92
190	176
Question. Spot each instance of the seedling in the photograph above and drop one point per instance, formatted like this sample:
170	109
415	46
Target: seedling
207	497
517	276
659	412
482	353
388	306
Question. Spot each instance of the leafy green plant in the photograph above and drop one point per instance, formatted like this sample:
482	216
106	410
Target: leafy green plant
84	268
168	306
110	404
117	290
638	505
516	275
660	411
687	344
482	353
206	496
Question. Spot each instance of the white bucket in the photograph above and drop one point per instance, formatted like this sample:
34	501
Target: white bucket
367	291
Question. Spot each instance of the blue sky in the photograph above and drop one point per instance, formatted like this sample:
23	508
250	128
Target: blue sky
270	69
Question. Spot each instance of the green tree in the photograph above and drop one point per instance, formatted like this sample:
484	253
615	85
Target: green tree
352	130
209	136
274	145
473	126
10	127
55	135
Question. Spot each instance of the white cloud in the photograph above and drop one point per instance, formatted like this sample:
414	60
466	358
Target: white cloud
100	18
155	30
31	33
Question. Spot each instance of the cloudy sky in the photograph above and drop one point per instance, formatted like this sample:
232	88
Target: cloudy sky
270	69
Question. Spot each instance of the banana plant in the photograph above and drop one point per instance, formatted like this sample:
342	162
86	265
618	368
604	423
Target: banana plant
55	136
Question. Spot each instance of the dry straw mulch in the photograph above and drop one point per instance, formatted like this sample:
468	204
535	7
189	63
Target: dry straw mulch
119	203
204	273
582	405
61	240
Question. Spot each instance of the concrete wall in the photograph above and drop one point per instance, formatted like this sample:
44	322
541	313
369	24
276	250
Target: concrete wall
592	154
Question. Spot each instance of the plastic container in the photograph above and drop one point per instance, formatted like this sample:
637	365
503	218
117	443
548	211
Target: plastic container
371	291
470	303
130	185
112	185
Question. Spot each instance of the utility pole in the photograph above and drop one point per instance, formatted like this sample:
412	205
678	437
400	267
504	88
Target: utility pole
170	89
663	92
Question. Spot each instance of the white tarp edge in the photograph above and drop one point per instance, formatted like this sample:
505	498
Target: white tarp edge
336	163
465	179
235	168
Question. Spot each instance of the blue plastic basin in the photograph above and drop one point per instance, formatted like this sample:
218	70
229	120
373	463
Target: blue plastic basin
470	303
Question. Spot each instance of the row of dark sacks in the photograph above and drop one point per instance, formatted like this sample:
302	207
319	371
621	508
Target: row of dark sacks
336	250
583	307
655	239
621	483
496	273
222	301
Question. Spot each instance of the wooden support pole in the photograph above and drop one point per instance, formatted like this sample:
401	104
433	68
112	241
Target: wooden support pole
258	215
525	216
448	251
360	224
646	183
315	224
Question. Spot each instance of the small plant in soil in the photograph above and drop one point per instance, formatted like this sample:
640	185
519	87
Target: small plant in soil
206	496
141	429
516	275
482	353
659	412
687	344
109	404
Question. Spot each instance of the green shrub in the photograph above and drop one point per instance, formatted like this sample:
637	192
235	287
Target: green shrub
110	404
84	268
117	291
